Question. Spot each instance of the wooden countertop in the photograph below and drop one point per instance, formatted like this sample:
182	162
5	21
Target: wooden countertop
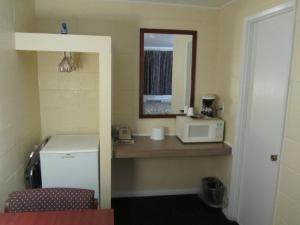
144	147
82	217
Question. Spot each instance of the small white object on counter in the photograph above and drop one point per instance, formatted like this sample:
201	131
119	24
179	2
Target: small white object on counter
190	111
157	134
185	109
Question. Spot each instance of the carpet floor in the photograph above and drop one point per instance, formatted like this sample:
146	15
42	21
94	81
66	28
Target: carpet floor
166	210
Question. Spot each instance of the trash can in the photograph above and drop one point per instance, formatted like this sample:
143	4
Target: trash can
213	191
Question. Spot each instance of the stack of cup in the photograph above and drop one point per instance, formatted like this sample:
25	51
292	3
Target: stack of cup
190	111
157	134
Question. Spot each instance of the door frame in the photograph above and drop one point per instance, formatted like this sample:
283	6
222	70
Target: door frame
245	83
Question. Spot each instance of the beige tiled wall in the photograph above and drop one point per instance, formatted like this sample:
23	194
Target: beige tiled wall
159	174
122	22
19	117
218	70
68	101
19	103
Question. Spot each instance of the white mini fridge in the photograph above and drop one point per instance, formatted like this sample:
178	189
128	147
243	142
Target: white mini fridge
71	161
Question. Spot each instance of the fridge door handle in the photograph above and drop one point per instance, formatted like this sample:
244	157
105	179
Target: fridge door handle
68	156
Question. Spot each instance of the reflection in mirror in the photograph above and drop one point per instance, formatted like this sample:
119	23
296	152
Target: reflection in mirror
167	72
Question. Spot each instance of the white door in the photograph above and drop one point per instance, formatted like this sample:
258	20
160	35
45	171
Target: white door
270	45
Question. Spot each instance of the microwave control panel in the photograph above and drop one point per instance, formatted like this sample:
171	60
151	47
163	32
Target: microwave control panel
220	130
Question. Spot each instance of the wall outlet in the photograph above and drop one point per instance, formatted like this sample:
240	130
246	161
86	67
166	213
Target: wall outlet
221	108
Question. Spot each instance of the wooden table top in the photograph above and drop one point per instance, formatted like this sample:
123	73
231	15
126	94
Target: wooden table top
83	217
144	147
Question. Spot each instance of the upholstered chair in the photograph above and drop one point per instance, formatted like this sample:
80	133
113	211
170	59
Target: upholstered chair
50	199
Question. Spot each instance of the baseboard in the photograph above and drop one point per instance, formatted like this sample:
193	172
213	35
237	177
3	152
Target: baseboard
161	192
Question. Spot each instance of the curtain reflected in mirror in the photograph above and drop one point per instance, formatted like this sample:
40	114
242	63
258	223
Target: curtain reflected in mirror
167	72
157	81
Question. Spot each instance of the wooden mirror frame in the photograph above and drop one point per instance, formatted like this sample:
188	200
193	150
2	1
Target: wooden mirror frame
193	68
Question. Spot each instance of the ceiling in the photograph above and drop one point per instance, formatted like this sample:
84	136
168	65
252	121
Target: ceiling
200	3
104	8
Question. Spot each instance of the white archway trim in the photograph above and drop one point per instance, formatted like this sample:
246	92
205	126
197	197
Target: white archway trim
89	44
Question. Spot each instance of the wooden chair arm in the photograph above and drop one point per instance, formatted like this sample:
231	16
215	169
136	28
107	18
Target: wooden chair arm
95	204
6	206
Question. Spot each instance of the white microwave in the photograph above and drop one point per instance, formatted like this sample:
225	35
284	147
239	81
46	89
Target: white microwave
193	130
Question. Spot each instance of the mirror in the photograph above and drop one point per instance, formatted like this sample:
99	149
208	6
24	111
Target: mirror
167	72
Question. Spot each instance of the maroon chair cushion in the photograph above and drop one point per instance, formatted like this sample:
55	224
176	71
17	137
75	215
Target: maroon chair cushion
50	199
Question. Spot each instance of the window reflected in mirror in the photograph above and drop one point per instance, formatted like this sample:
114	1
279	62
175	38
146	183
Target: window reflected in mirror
167	72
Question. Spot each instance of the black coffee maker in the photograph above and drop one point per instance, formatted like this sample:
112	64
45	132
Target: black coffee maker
208	106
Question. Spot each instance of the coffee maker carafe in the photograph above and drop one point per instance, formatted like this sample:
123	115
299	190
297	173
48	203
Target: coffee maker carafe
208	106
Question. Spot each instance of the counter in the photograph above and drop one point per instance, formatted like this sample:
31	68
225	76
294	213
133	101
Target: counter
144	147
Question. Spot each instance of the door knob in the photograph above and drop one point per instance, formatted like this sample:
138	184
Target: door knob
274	158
